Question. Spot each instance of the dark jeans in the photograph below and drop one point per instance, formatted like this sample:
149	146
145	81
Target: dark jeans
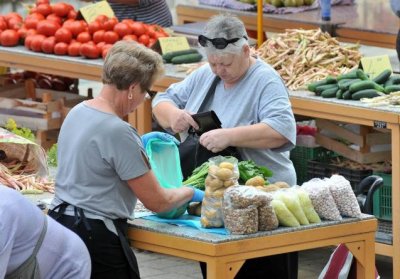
283	266
105	249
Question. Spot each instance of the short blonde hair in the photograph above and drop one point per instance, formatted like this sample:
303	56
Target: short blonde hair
129	62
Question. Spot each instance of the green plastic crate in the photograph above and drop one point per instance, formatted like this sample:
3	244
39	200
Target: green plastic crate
300	156
382	207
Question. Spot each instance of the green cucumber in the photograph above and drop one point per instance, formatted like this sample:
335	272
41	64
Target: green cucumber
393	80
366	93
312	86
169	55
321	88
382	77
361	75
350	75
187	58
392	88
339	94
365	84
344	84
346	95
329	93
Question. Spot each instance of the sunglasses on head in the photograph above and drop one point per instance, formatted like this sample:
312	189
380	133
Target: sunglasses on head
218	43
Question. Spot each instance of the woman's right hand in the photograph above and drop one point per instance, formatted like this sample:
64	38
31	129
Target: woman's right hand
182	121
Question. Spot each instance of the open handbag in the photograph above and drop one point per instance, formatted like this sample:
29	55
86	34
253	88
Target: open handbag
341	264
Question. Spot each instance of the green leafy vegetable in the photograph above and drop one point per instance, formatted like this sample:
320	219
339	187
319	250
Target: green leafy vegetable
27	133
198	177
248	169
52	156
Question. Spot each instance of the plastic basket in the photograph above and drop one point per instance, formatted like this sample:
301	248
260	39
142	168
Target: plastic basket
318	169
300	156
382	205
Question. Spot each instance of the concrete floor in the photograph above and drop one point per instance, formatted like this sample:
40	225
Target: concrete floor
311	263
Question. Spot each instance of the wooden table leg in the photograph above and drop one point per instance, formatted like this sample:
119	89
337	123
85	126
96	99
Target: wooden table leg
218	269
364	253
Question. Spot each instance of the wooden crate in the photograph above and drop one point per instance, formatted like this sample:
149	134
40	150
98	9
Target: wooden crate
40	110
364	138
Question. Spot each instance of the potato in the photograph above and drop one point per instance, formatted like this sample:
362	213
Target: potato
213	183
270	188
228	183
255	181
282	184
224	173
227	165
212	170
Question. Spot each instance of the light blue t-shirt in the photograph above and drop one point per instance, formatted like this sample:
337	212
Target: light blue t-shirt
97	153
395	4
259	97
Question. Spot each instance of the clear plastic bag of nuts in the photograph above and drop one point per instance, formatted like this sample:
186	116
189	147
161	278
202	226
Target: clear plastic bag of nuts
248	210
223	173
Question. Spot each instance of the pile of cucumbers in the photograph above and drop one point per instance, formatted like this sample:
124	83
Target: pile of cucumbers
182	56
355	85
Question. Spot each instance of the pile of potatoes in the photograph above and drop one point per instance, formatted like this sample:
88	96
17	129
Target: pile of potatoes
221	175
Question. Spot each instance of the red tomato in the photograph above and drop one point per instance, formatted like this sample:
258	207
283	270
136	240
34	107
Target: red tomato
101	18
84	37
61	48
130	38
159	35
55	18
61	9
105	50
100	46
44	9
94	26
31	32
48	44
109	24
152	41
138	28
9	37
89	51
14	23
63	35
39	2
144	39
110	37
31	22
22	32
98	36
73	49
76	27
3	24
47	27
11	15
72	14
122	29
36	42
27	42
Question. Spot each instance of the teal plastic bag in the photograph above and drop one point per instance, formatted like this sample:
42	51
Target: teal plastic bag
165	162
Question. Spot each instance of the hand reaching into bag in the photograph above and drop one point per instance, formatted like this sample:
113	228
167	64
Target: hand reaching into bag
158	135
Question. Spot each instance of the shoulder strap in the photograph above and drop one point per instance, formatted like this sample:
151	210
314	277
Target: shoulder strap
209	93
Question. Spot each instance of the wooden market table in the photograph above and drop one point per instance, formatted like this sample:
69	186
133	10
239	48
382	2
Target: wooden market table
369	22
225	254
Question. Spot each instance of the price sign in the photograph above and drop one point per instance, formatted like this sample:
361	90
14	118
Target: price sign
90	12
380	124
375	65
169	44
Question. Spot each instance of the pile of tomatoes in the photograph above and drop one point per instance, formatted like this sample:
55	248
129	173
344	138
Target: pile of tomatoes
56	29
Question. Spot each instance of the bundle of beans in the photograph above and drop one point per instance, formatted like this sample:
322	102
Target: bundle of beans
25	183
303	56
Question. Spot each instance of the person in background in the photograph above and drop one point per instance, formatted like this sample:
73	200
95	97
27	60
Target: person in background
32	245
147	11
395	4
253	105
102	165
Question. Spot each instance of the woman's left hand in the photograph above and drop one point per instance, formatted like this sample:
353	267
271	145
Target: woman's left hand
215	140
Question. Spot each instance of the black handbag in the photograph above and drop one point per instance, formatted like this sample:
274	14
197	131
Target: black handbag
192	153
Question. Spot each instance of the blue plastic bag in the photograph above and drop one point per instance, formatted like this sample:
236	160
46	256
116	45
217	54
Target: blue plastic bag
165	162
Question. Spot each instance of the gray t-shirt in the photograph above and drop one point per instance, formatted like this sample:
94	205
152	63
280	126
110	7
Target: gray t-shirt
62	253
259	97
97	153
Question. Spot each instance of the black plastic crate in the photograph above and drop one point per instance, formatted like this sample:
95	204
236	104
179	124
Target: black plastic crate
318	169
